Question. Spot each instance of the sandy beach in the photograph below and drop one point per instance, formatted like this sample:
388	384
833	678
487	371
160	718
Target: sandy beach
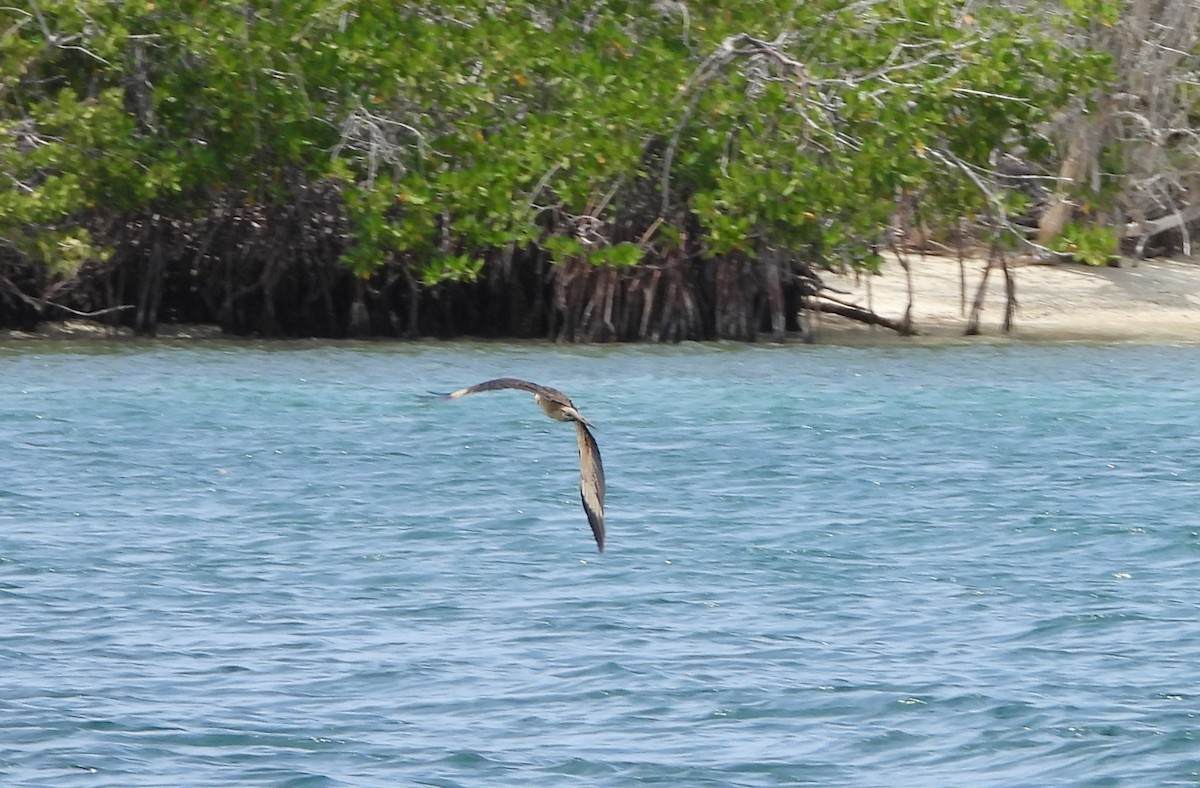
1143	300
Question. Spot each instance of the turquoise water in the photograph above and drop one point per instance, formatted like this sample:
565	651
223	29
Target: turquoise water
236	565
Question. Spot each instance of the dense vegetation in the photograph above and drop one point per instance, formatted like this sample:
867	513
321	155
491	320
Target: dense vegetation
574	170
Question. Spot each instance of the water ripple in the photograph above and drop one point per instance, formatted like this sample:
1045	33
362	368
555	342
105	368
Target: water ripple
282	564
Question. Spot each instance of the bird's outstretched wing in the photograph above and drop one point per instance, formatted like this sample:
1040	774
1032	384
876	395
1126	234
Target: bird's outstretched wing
591	482
501	383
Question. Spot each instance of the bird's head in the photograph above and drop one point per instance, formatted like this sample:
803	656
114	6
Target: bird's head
574	415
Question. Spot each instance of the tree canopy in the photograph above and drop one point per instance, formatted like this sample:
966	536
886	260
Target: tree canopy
234	157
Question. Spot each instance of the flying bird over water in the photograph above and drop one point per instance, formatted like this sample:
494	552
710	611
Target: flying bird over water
559	407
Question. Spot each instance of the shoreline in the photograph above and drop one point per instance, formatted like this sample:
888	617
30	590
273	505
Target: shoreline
1154	301
1140	301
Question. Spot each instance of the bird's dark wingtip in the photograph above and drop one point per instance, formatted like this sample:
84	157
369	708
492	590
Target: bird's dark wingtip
596	521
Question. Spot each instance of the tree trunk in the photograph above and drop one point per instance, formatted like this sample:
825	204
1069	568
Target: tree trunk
1084	143
977	306
770	261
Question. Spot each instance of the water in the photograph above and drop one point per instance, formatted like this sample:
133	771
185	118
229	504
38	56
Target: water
236	565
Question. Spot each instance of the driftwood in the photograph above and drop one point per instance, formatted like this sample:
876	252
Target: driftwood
1179	220
863	315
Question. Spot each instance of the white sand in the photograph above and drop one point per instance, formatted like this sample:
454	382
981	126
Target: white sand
1143	300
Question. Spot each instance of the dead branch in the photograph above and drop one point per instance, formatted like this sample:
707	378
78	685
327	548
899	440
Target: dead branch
863	316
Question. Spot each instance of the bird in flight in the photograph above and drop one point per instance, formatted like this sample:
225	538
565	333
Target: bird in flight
559	407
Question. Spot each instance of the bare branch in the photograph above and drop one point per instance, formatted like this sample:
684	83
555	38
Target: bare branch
95	313
369	134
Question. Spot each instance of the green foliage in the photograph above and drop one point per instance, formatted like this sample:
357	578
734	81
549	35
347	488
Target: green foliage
624	255
792	169
1088	244
455	268
459	129
562	248
66	251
